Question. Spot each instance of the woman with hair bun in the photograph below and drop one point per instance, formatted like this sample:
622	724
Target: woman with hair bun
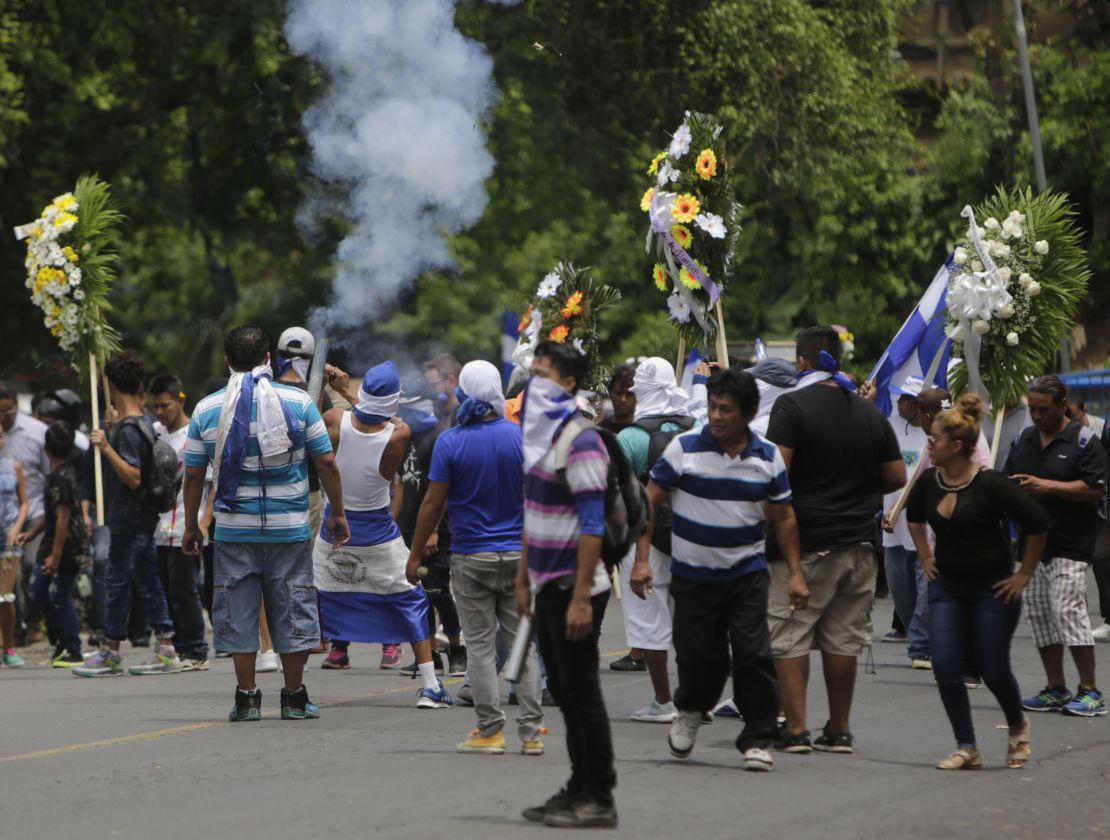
974	594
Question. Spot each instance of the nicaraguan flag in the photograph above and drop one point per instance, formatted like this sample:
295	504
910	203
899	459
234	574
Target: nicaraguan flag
509	336
917	345
686	378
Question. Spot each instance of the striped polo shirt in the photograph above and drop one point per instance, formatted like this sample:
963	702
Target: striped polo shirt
271	504
555	517
718	530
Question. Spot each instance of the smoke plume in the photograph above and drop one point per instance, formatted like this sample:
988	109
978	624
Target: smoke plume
399	131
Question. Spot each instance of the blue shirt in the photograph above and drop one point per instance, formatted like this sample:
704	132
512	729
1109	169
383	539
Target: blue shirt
718	503
483	465
271	504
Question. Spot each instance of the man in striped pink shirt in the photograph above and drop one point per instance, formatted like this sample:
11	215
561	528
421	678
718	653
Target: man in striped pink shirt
564	522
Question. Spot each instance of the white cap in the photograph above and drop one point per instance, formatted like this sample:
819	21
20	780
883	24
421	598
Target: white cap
296	342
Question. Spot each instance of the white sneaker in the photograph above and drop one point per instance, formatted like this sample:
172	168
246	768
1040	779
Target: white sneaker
267	661
656	712
1102	634
758	760
683	734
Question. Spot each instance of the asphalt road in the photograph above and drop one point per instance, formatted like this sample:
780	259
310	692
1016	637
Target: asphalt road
153	757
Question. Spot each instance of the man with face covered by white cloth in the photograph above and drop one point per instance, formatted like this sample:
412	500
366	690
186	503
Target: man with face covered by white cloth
662	411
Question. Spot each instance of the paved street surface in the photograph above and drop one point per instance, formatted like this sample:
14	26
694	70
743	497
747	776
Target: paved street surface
153	757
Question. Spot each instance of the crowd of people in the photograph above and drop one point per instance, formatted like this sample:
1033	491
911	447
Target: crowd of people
467	520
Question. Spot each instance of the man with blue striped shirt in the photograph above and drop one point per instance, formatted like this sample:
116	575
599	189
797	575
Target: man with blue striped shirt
725	483
258	436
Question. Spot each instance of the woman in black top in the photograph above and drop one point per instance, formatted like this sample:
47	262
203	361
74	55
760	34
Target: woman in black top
973	592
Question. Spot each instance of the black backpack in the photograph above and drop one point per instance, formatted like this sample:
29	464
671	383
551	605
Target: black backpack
626	506
161	471
661	538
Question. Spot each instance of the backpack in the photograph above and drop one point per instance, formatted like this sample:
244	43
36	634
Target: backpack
161	472
661	538
626	506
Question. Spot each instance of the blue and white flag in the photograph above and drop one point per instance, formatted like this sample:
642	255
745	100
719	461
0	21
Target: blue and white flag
509	336
920	344
686	379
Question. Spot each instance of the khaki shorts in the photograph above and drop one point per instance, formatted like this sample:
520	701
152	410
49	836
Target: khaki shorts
838	618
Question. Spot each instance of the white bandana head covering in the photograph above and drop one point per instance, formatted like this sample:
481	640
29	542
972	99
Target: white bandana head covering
480	381
657	392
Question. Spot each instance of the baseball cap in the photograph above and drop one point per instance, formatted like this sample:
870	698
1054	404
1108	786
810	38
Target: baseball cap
910	388
296	343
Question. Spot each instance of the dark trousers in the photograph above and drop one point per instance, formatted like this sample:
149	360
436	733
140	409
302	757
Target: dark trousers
959	611
179	573
131	557
572	676
1101	567
437	585
54	596
710	618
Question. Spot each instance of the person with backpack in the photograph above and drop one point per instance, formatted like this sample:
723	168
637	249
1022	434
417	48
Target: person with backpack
725	483
564	533
134	498
662	412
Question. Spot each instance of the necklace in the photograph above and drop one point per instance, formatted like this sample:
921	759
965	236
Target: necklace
955	488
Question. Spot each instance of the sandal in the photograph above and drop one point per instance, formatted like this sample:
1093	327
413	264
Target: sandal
965	758
1019	751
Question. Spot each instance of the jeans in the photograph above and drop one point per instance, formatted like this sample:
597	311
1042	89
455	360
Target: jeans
132	556
909	589
958	610
485	594
178	572
54	595
98	618
572	674
710	618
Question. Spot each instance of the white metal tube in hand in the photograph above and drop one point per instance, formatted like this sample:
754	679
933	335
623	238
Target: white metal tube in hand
520	649
98	469
722	343
996	438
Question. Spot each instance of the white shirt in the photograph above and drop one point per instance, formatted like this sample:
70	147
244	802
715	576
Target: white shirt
171	525
911	439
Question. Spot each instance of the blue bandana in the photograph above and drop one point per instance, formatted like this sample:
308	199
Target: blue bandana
379	395
828	364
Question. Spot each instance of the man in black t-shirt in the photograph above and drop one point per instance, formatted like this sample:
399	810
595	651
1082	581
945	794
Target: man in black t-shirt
842	456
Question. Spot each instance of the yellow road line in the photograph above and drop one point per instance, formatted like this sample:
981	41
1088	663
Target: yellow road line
199	727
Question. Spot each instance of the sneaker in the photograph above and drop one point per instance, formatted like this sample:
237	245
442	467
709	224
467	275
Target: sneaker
656	712
297	706
627	663
895	637
161	661
411	670
1087	703
582	812
537	812
267	662
437	698
1102	634
758	760
59	650
456	661
479	744
548	698
391	657
248	706
533	746
465	696
12	659
1049	700
683	734
834	742
972	682
337	660
193	663
793	742
104	663
922	663
728	710
67	660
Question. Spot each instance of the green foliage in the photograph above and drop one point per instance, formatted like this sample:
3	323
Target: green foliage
95	236
1039	316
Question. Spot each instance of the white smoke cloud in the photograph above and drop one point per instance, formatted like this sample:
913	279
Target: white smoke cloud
399	128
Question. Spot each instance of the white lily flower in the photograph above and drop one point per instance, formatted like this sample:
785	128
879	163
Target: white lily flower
712	224
680	143
549	285
680	310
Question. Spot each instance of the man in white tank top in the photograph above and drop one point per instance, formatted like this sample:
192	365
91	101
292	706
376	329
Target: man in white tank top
364	595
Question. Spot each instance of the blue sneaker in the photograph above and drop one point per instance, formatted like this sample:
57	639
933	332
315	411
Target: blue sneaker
1049	700
297	706
436	698
1087	703
727	710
